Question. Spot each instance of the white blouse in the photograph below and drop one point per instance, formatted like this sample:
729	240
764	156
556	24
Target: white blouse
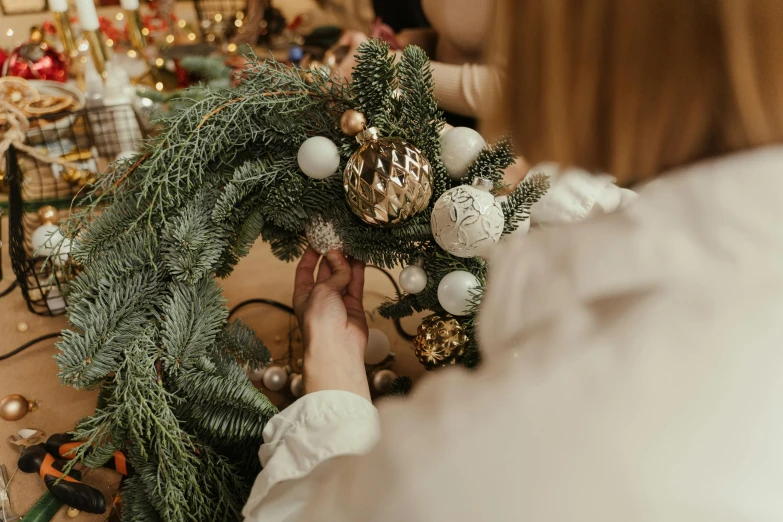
633	372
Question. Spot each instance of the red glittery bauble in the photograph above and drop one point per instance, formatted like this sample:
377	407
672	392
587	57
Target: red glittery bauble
3	58
37	61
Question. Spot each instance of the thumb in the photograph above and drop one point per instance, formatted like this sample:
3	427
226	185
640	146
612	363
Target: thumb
341	271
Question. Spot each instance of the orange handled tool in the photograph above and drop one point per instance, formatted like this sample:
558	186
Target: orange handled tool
62	445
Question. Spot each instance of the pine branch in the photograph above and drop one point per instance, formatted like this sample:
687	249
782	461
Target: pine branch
517	207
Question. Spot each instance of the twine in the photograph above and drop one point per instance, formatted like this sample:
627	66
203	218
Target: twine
15	135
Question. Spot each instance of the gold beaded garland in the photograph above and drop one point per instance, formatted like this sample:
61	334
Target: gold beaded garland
440	340
352	122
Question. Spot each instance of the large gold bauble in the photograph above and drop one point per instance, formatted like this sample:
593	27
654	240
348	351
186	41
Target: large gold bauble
440	340
14	407
387	181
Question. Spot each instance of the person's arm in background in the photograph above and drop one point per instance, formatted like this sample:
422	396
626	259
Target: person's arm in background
461	89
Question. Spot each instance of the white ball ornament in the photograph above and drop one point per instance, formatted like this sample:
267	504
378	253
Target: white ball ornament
467	220
459	148
297	386
378	347
255	375
455	291
322	235
318	157
275	378
413	279
48	240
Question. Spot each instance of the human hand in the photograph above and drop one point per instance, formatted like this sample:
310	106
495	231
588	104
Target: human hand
331	317
352	40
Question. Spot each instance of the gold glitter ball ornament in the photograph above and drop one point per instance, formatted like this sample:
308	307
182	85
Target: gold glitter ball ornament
387	181
440	340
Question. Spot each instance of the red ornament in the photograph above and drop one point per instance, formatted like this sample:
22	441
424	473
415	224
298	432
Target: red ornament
35	60
3	58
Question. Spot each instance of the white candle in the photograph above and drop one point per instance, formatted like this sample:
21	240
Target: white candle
58	6
130	5
88	16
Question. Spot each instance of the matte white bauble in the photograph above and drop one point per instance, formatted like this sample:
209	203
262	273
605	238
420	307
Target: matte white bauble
454	291
255	375
47	240
467	220
318	157
459	148
413	279
297	386
378	347
275	378
382	381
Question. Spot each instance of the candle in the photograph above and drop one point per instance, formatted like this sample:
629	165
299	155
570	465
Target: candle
58	6
130	5
88	16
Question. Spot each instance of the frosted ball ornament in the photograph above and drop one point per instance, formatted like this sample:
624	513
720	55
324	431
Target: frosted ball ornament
297	386
459	148
382	381
275	378
318	157
323	236
455	292
48	240
413	279
467	220
378	347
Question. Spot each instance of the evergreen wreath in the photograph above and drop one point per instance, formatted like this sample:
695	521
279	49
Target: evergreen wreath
148	323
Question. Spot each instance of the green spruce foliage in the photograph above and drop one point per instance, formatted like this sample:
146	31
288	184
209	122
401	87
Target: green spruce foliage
148	323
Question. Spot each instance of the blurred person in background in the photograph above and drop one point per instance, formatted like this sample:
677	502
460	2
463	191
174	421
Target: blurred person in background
633	363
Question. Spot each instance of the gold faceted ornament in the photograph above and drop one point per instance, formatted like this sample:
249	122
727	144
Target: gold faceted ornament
387	181
440	340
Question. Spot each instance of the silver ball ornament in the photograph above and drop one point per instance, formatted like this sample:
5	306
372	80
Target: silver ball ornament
382	381
275	378
455	291
460	147
297	385
322	235
318	157
467	220
378	347
413	279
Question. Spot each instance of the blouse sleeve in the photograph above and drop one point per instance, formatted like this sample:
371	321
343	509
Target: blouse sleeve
465	89
316	428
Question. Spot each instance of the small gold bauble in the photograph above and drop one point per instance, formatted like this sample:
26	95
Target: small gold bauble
73	176
352	122
14	407
72	512
47	214
22	327
387	181
440	340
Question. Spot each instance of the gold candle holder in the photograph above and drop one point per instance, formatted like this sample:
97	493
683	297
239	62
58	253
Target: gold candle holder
62	23
134	31
97	50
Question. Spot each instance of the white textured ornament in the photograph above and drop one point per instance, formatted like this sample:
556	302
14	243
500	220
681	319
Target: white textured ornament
322	236
467	220
382	381
297	386
275	378
413	279
378	347
47	239
255	375
318	157
459	148
454	291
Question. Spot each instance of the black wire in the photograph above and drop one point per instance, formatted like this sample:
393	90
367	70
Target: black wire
28	344
397	323
270	302
9	289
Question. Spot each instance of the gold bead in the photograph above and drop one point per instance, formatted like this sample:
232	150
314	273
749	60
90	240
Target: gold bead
14	407
48	214
22	327
72	176
72	512
352	122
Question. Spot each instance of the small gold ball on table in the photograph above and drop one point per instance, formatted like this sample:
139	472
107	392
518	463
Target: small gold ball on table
352	122
47	214
72	512
14	407
22	327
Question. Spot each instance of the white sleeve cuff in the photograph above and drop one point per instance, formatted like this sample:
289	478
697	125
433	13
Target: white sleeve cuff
315	428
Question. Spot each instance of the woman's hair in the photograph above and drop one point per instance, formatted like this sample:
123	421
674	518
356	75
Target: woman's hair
635	87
